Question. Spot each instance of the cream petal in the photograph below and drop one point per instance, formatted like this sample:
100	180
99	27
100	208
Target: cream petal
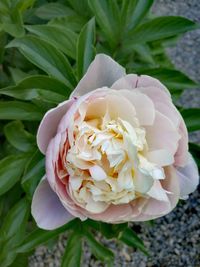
188	177
97	173
142	182
161	157
47	209
49	124
96	206
162	135
158	192
103	71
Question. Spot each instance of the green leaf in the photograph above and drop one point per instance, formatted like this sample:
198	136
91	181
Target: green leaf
18	137
130	238
85	48
108	17
39	237
112	230
53	10
74	22
73	250
34	171
99	250
62	38
46	57
12	231
17	74
38	87
20	261
191	117
173	79
12	23
141	8
159	28
195	150
15	220
11	169
3	39
16	110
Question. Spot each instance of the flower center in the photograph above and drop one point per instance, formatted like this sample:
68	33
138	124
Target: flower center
105	162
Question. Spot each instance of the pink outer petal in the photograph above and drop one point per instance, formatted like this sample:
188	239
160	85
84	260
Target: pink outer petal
188	177
49	124
103	71
47	209
145	110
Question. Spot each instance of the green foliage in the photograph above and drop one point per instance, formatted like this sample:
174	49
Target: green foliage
45	49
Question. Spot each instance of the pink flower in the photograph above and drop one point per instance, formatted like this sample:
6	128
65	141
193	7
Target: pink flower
116	151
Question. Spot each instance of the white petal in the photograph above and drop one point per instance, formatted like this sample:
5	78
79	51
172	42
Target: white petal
158	192
97	173
161	157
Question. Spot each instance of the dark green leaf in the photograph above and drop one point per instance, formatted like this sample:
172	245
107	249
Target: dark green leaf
85	48
62	38
15	220
192	118
16	110
195	150
108	17
39	236
112	230
134	11
17	74
159	28
73	250
130	238
12	231
33	173
38	87
11	169
12	23
53	10
46	57
74	22
20	261
99	250
18	137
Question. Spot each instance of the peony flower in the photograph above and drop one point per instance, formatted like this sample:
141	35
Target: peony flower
116	151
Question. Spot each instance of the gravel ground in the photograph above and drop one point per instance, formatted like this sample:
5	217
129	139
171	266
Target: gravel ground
174	240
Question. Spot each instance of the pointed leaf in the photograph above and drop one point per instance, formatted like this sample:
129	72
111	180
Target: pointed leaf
130	238
16	110
62	38
46	57
34	171
73	250
85	48
18	137
38	87
191	117
99	250
11	169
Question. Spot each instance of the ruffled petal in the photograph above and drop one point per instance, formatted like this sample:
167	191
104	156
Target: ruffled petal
47	209
103	71
188	177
